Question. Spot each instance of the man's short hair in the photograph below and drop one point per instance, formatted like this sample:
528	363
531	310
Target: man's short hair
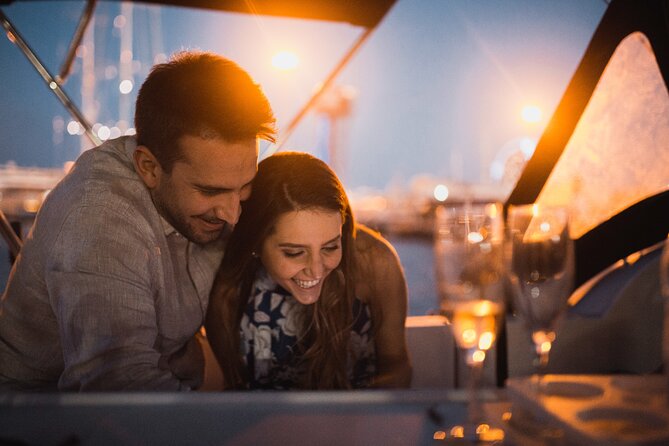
199	94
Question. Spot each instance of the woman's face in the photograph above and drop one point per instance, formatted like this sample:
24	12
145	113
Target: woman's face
303	249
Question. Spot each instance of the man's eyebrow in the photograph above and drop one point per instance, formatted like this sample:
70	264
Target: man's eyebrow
210	188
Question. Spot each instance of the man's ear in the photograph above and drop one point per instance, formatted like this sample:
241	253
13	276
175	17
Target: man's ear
147	166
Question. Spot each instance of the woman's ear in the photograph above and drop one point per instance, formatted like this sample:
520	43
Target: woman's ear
147	166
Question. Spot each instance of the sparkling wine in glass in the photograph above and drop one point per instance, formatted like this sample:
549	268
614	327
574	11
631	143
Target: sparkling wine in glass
469	262
541	271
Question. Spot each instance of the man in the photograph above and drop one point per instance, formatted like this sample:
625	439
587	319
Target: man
113	281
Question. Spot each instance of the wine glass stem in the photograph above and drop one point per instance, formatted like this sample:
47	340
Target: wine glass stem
474	409
542	362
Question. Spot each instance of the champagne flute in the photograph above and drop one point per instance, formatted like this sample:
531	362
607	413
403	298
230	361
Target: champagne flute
541	272
469	262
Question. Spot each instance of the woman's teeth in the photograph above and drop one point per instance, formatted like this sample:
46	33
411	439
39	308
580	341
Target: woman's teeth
306	283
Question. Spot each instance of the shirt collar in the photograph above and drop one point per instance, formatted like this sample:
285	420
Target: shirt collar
168	228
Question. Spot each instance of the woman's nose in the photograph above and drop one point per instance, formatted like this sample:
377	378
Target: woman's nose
315	267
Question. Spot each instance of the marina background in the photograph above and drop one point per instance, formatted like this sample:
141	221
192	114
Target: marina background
435	96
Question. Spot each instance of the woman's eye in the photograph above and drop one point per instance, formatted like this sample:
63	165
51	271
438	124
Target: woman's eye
292	254
331	248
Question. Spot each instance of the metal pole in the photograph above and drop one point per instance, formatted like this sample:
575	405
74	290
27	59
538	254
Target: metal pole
16	38
76	41
13	241
326	84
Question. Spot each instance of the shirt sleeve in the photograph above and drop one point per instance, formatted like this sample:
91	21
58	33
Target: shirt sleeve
99	277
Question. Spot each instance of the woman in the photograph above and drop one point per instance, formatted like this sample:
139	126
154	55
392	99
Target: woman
314	300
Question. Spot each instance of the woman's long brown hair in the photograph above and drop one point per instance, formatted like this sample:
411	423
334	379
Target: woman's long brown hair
287	181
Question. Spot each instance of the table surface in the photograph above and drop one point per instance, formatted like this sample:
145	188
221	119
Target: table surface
233	418
582	410
612	410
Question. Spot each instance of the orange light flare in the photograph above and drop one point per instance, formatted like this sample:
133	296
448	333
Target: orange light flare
439	435
458	432
478	357
543	341
285	60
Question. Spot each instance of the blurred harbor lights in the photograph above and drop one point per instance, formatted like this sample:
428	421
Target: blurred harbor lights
441	192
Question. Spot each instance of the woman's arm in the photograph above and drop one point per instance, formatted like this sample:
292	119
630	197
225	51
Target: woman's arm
381	284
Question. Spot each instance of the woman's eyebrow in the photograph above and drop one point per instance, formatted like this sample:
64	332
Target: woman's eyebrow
291	245
297	245
335	239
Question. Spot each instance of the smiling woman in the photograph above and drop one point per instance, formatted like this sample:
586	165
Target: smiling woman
315	301
303	249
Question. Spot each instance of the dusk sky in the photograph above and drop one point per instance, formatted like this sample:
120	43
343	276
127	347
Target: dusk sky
438	88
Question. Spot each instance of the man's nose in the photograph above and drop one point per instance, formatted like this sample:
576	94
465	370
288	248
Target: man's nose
229	208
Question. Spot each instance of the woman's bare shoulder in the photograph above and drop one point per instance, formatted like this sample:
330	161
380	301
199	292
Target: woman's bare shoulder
371	242
375	255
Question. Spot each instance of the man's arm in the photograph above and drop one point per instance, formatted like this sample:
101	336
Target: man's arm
101	288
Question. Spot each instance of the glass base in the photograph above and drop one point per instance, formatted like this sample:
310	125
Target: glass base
481	434
542	385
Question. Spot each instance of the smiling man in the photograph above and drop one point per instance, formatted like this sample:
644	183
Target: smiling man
113	281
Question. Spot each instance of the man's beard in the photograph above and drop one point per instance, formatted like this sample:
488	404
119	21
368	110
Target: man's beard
181	223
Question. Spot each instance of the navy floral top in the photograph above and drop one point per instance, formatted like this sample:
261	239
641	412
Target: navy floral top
269	332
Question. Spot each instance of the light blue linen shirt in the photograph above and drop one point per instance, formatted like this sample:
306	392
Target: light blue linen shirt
104	290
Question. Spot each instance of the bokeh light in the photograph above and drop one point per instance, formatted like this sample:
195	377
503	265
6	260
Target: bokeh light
441	192
73	127
125	86
104	132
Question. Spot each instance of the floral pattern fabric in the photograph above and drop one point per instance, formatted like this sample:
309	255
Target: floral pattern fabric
269	333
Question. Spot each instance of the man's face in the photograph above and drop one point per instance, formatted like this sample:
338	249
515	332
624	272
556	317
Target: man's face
202	195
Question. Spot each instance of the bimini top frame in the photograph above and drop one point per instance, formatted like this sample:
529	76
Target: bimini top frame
367	14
